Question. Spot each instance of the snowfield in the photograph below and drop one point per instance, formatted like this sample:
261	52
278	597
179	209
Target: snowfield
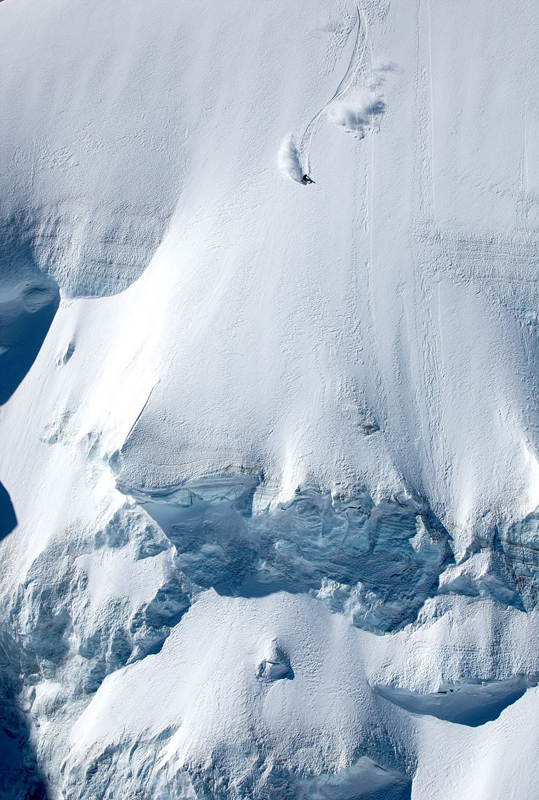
269	499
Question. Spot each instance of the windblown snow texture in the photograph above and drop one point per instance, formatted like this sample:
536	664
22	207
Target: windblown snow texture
269	499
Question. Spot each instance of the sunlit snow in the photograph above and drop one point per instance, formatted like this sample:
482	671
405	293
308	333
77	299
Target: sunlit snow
269	408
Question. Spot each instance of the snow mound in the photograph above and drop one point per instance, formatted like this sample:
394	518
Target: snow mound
275	666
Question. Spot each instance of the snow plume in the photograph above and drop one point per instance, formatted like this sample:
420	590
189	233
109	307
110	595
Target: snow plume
289	159
359	114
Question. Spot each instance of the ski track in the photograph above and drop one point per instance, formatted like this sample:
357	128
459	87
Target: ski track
357	59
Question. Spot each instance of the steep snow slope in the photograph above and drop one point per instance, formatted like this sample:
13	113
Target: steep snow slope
269	466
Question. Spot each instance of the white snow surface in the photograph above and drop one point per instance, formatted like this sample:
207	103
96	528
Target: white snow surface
269	494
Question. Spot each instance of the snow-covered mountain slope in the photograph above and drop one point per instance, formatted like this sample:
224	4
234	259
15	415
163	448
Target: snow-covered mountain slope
269	480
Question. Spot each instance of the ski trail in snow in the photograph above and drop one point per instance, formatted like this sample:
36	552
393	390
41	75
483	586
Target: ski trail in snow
356	62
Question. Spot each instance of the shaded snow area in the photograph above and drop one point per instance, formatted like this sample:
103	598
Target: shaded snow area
269	478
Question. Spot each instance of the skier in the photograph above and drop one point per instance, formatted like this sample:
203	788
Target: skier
305	180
